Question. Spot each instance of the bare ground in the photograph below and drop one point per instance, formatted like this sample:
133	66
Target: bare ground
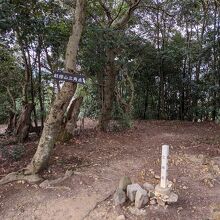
100	159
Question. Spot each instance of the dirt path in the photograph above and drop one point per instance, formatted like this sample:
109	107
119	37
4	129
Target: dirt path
99	160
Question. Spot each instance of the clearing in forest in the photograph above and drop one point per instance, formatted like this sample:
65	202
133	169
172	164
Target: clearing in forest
99	160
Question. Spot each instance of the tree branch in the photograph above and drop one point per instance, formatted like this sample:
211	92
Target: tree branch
107	11
119	11
120	23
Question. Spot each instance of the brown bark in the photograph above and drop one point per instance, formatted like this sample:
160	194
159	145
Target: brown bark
24	122
70	124
32	87
72	115
40	85
53	123
109	88
12	121
126	105
27	70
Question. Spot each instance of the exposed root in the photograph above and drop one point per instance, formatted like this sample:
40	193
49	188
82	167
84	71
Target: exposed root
14	176
49	184
98	203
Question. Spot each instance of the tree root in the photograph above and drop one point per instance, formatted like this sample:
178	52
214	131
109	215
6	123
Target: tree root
98	203
50	184
34	178
14	176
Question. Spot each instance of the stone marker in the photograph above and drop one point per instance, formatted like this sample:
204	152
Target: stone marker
162	188
124	182
131	191
164	166
119	197
163	191
160	191
141	198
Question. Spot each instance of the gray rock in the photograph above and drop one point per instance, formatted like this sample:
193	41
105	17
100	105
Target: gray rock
124	182
131	191
151	194
149	187
119	197
173	197
120	217
160	191
141	198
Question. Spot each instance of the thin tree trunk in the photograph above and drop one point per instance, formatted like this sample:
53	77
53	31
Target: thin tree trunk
40	86
54	121
214	98
24	123
146	103
182	92
32	87
12	121
72	115
27	73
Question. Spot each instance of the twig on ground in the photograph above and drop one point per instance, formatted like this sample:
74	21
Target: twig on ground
98	203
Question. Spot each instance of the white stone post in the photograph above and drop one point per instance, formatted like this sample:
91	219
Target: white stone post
164	166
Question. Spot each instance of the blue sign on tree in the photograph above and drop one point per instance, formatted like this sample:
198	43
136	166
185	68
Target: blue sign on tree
69	77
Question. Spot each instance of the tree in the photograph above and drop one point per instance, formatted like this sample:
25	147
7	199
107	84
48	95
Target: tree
54	120
113	18
10	86
38	30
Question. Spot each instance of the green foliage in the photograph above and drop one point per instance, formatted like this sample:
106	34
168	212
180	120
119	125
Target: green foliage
10	82
89	106
124	119
171	57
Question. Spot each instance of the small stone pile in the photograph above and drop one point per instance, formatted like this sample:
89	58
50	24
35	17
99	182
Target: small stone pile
143	195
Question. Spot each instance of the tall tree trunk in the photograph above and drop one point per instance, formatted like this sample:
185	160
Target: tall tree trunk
186	69
215	55
218	62
54	121
109	88
40	85
32	87
27	73
182	92
200	39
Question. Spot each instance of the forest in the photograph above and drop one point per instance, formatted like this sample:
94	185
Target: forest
151	67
